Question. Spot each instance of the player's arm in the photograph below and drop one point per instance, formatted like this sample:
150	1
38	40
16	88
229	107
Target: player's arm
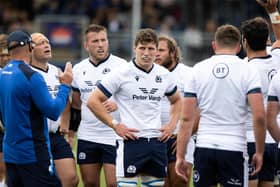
187	120
95	104
271	9
196	121
51	108
75	117
65	119
174	114
271	116
256	103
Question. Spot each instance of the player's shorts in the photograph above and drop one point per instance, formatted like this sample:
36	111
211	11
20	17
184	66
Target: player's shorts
92	153
188	156
277	170
212	166
1	141
147	156
269	162
31	175
60	148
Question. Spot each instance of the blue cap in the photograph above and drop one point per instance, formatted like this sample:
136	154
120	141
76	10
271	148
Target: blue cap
18	38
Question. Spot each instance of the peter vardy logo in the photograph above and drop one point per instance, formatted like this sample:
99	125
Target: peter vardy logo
89	83
148	95
88	87
152	91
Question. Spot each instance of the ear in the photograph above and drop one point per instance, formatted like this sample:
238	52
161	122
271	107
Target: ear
238	48
214	46
30	47
86	46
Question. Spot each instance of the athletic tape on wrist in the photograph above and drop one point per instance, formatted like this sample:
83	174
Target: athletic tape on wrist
274	17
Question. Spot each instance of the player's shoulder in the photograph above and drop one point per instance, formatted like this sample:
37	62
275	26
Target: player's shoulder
160	69
276	77
184	68
53	67
81	65
117	59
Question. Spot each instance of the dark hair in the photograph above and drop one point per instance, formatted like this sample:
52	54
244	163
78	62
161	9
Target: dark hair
227	36
256	32
95	28
172	46
146	36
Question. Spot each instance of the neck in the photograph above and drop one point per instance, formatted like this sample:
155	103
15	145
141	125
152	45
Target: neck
225	52
172	65
253	54
21	55
21	58
146	67
95	61
40	64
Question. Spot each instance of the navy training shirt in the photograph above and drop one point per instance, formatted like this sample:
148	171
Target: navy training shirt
25	104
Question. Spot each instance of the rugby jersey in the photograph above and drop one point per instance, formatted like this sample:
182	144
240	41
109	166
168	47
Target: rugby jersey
86	75
221	84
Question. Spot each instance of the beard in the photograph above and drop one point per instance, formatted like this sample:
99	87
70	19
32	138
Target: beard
167	63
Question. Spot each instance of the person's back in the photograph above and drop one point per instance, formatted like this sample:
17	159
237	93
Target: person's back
221	91
221	87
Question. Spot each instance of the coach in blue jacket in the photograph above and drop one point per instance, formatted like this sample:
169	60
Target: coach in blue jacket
25	103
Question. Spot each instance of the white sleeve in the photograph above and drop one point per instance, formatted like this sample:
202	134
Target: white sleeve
189	85
74	83
253	80
110	84
274	90
171	85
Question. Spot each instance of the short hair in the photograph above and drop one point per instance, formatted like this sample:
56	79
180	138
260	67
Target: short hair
3	40
146	36
227	36
256	32
172	46
95	28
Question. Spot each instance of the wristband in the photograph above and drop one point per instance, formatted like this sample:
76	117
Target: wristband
274	17
75	119
115	122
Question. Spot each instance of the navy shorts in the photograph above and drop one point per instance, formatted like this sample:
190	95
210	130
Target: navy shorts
277	171
91	153
269	162
1	141
31	175
170	156
146	156
212	166
60	148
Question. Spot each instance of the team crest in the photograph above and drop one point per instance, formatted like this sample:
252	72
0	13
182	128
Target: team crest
106	70
158	79
137	78
84	72
196	176
131	169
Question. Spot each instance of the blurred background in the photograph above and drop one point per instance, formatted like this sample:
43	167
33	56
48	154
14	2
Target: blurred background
191	22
